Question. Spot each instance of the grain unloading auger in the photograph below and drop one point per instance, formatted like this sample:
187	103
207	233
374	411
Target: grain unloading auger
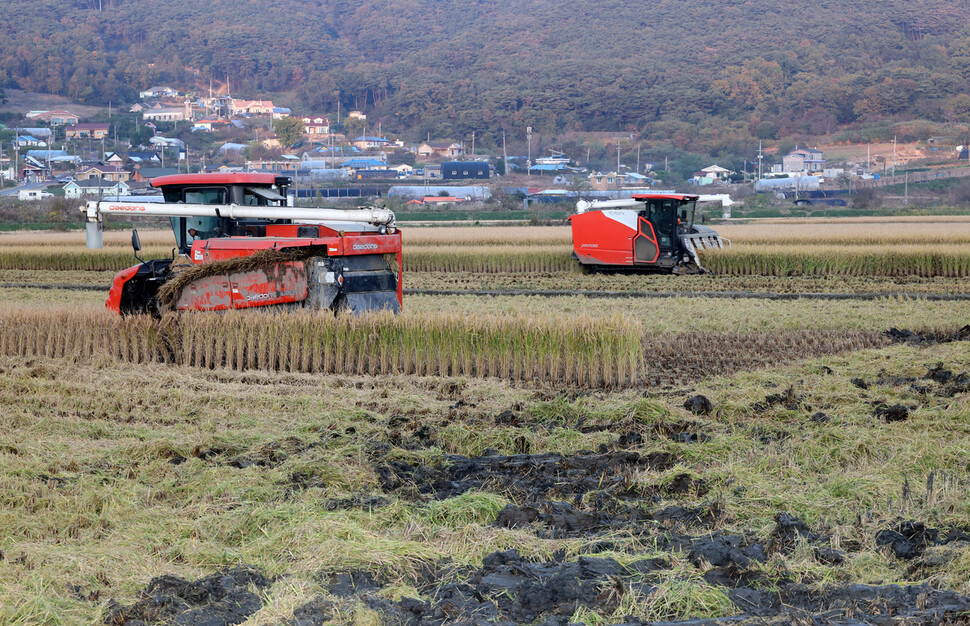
238	246
646	233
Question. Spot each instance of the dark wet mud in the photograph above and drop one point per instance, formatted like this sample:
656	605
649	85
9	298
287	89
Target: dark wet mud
509	589
221	599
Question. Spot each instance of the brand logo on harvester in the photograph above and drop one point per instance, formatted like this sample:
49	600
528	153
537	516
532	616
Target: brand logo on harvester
590	245
365	246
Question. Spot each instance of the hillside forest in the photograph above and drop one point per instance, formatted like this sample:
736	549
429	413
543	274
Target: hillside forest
720	72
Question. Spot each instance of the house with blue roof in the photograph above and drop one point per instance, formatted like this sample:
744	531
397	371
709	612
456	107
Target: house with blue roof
364	164
368	143
28	140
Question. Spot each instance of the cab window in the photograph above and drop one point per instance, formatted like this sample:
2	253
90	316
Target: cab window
206	195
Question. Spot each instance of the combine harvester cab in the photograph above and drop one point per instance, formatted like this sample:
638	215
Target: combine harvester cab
645	233
238	246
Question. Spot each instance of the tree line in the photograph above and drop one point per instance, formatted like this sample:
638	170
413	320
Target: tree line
679	72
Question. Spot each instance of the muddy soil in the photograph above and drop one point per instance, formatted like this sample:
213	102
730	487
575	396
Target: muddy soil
527	477
221	599
509	589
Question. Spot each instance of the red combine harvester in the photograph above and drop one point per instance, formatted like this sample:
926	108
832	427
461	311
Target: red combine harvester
645	233
239	246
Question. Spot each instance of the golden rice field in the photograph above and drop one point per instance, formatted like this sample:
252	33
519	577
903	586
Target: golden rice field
930	247
532	338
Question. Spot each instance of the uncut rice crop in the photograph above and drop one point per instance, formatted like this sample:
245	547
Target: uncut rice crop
77	238
847	233
488	259
72	258
488	236
583	352
828	260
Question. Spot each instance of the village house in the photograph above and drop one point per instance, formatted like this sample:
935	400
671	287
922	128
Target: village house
169	114
29	140
354	165
281	112
158	92
252	107
61	118
316	126
286	162
368	143
108	172
95	187
93	131
716	173
606	182
208	125
134	156
804	161
445	149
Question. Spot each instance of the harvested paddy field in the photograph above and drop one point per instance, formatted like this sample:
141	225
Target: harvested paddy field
831	490
499	459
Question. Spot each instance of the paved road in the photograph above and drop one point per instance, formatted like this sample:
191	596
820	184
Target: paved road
13	191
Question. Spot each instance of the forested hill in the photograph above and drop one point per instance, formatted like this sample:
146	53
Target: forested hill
452	66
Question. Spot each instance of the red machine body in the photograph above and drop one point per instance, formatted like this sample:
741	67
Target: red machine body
647	232
341	264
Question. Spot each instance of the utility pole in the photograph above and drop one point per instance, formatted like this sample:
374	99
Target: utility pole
761	155
505	155
473	145
638	159
894	158
617	156
16	159
528	163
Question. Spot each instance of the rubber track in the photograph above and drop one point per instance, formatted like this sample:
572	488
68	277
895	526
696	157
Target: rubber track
729	295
